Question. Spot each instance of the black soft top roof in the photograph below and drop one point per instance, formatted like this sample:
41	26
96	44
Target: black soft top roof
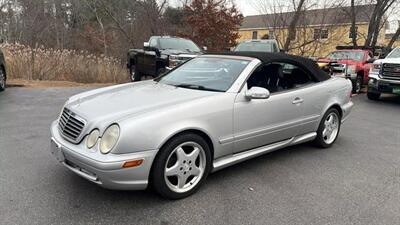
267	58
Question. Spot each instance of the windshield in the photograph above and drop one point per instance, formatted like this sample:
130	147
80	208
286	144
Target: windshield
256	47
179	44
346	55
206	73
394	54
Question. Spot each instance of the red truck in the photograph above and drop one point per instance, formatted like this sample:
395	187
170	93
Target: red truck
349	63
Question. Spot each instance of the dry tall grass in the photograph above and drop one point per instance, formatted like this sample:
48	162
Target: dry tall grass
24	62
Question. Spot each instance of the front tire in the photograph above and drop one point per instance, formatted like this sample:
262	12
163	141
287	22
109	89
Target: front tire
181	166
328	129
135	75
2	80
357	84
373	96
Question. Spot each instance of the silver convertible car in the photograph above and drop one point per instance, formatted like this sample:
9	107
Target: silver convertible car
209	113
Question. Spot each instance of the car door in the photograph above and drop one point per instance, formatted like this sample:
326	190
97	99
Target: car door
312	94
150	57
314	97
260	122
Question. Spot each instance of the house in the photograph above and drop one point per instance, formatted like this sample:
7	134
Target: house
318	31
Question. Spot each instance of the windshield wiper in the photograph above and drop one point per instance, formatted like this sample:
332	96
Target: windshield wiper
197	87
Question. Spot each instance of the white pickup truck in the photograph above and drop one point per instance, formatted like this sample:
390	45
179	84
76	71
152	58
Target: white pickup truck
384	76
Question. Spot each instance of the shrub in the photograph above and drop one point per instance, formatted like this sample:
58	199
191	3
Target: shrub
39	63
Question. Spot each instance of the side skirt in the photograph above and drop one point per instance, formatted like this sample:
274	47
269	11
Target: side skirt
242	156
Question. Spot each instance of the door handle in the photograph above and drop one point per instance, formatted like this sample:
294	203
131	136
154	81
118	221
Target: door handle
297	101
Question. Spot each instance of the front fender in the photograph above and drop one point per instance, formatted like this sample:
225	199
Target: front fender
211	116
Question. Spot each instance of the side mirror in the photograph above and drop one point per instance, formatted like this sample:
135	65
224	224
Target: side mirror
371	60
146	44
257	93
205	48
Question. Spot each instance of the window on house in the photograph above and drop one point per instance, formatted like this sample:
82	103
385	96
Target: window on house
321	34
351	33
255	34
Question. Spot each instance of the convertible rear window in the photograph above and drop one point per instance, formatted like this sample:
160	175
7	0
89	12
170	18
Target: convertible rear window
206	73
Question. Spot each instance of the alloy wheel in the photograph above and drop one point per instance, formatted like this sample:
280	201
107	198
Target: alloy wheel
185	167
331	128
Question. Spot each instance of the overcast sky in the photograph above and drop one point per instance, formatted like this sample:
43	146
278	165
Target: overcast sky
249	7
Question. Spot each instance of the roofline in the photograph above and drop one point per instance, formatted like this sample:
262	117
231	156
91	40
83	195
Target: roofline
313	10
314	25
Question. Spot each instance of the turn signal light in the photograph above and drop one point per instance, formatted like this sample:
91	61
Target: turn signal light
133	163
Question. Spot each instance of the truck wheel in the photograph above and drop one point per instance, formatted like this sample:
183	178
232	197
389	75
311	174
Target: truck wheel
161	71
2	80
134	74
373	96
357	85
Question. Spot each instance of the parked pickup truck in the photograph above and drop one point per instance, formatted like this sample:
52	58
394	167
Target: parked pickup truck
160	54
384	76
349	63
3	76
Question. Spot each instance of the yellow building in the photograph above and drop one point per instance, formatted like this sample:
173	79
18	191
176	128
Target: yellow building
318	31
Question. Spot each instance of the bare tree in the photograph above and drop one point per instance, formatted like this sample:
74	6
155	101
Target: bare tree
293	22
376	21
395	36
353	30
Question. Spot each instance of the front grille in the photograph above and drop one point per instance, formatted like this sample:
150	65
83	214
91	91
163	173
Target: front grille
70	125
337	67
391	71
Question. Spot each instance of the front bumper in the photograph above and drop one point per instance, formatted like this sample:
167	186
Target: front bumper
104	170
376	84
344	75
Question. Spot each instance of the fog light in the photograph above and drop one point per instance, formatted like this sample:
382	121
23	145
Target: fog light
133	163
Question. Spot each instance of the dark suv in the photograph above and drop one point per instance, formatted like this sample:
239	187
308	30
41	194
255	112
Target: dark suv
3	76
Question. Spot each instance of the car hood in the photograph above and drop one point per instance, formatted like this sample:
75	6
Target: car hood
115	103
390	60
180	52
341	61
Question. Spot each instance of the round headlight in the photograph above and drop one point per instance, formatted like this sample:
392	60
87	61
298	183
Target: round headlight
92	138
109	139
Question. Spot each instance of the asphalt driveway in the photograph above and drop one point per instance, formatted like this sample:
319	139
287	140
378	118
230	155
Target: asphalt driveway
355	182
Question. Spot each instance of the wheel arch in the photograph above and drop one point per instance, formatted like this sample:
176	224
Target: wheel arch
337	107
361	73
197	131
4	70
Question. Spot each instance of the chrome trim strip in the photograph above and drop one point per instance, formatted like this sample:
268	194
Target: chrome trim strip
242	156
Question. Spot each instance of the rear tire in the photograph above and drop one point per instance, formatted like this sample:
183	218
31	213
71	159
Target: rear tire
328	129
181	166
373	96
2	79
